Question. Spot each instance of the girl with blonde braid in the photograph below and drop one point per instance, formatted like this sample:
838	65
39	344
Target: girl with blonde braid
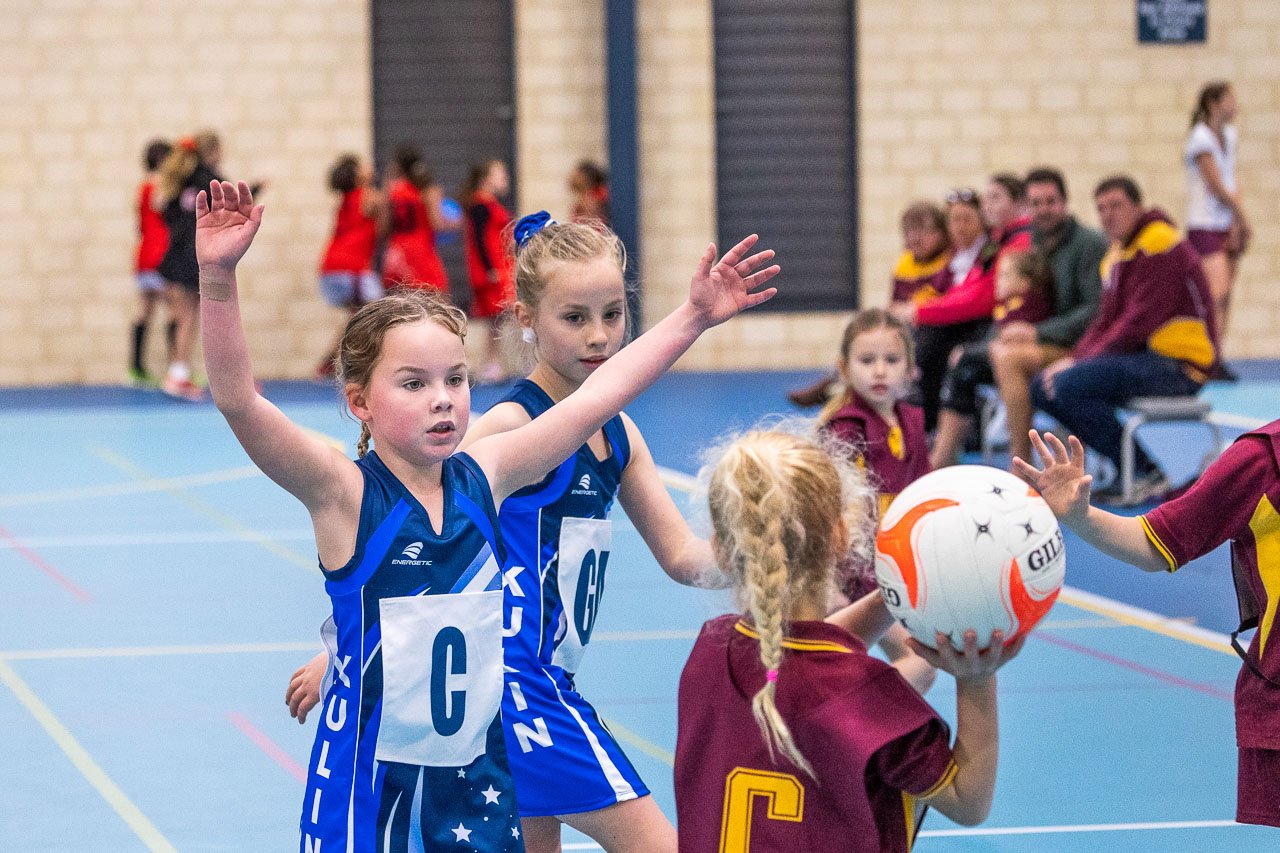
777	702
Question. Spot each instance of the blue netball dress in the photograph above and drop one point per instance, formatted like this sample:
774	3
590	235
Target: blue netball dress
558	536
409	752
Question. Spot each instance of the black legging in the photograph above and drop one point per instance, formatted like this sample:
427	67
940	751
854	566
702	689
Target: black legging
933	347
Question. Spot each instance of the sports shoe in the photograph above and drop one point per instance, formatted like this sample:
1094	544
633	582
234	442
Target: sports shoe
1146	487
813	395
141	379
182	389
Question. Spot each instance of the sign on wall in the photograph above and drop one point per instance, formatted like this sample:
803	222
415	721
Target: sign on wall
1172	21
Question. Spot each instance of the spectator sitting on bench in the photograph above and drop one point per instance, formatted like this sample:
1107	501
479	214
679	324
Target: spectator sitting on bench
1153	335
963	314
1024	294
1021	349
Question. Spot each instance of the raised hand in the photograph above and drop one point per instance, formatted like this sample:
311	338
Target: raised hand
720	289
1063	483
226	222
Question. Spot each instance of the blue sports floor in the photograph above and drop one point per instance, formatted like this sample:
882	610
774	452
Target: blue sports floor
157	592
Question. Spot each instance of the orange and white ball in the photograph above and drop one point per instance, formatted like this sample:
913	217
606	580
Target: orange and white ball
969	547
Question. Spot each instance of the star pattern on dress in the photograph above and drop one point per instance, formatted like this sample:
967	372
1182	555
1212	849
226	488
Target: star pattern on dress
462	774
461	833
515	832
490	795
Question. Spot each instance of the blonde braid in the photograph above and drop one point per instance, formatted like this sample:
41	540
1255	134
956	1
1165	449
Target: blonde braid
362	446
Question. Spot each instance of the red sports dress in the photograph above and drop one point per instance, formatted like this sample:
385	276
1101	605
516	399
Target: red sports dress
488	258
354	235
1238	499
876	746
153	234
411	259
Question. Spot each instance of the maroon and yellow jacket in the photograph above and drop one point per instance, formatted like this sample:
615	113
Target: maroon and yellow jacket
920	281
1154	298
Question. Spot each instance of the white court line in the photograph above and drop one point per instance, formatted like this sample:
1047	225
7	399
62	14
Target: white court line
1244	422
191	537
159	651
83	761
1033	830
138	487
1082	827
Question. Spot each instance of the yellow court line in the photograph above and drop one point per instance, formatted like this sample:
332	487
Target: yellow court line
1145	620
641	743
208	511
83	762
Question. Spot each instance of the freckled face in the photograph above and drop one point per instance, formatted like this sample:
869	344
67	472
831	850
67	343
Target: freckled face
418	402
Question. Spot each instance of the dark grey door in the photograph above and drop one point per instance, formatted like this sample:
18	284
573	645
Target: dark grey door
785	143
443	78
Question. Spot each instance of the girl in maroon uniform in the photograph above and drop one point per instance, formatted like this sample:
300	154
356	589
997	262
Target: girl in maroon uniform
885	436
488	258
1236	499
417	215
777	704
347	279
153	240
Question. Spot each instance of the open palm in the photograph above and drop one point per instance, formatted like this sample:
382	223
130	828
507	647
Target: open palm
226	221
720	289
1063	483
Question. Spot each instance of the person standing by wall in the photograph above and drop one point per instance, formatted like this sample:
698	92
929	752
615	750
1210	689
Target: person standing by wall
417	216
1216	224
153	241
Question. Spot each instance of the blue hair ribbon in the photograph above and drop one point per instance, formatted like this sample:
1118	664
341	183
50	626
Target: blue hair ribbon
530	225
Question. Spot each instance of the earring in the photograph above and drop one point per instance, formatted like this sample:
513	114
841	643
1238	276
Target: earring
526	335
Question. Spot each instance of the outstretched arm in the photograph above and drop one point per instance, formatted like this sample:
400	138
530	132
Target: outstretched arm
311	470
1065	487
720	289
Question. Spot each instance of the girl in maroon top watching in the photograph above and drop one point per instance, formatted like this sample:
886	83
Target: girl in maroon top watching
884	436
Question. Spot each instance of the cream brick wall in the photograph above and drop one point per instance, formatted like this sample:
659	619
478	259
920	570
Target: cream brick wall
972	88
560	97
84	84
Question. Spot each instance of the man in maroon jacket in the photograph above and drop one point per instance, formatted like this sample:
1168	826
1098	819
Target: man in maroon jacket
1153	334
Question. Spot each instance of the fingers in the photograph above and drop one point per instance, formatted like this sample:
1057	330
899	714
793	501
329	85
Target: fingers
1028	472
202	204
216	201
246	197
754	299
1077	449
756	279
1060	454
707	260
739	251
744	268
1038	443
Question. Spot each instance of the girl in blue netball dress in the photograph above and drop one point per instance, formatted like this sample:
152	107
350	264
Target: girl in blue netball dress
567	766
409	753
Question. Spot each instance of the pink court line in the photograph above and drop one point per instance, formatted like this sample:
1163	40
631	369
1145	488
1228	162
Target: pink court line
267	745
40	563
1160	675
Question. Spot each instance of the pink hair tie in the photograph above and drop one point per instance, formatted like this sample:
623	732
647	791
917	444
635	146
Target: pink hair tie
771	676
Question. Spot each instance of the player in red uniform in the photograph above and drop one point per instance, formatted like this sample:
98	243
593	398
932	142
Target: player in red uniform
884	435
489	266
1235	500
347	279
417	215
791	737
153	240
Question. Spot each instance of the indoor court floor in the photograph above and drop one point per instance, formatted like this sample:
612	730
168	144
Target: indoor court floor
158	592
